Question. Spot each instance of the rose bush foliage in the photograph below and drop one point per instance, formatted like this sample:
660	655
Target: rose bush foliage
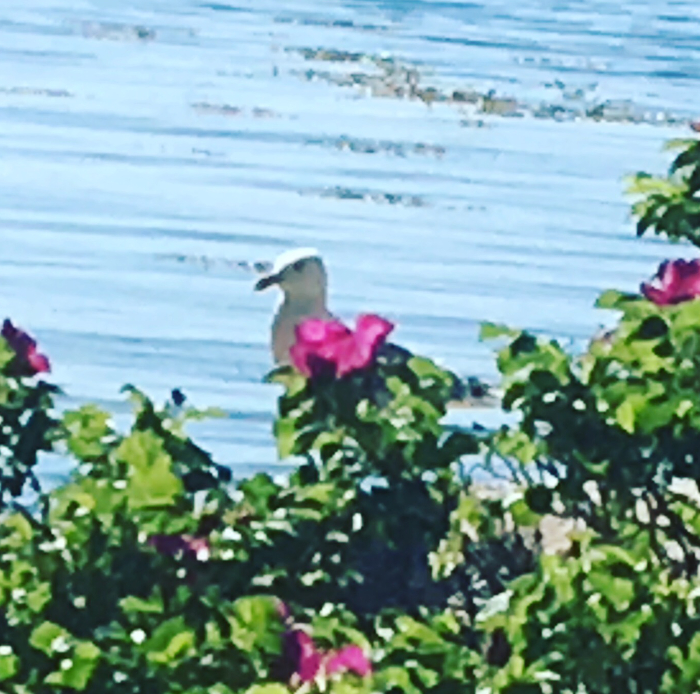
379	564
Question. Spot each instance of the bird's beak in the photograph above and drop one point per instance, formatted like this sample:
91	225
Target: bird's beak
266	282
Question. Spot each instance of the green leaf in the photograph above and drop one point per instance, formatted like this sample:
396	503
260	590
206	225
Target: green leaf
131	604
269	688
7	354
618	591
39	596
687	317
679	143
625	416
47	636
523	515
76	670
88	428
395	678
151	481
20	528
414	635
428	372
259	490
492	331
286	435
292	380
9	665
171	641
255	624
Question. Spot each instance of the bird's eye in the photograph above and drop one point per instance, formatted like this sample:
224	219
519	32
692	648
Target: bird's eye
298	266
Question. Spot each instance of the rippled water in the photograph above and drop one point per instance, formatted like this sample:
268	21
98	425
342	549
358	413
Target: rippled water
136	136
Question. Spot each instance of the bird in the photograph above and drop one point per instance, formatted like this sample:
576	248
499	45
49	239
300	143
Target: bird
301	275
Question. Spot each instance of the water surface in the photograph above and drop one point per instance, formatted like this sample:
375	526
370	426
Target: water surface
136	136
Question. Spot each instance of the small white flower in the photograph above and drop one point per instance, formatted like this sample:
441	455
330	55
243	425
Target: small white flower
66	664
356	522
138	636
5	650
60	645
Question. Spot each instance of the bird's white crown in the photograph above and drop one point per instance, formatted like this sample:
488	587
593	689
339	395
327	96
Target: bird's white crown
284	260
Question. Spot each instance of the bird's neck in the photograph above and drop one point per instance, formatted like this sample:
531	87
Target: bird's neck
304	305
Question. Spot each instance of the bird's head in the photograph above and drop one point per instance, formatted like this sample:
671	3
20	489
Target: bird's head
299	273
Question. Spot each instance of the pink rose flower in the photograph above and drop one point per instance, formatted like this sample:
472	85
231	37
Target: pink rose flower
28	361
329	345
304	662
676	281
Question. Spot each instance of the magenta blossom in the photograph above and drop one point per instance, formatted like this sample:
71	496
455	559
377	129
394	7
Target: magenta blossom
675	281
28	361
329	345
301	654
307	663
348	659
187	545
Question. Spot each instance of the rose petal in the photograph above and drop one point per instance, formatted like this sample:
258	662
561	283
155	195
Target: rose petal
348	356
675	281
691	279
306	659
39	363
19	341
317	331
660	297
312	331
299	353
349	659
372	329
370	334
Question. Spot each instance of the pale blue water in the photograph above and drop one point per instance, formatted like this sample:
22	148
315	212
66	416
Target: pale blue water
110	176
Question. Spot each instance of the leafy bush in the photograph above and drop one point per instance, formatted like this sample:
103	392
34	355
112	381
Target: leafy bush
379	565
670	205
26	422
